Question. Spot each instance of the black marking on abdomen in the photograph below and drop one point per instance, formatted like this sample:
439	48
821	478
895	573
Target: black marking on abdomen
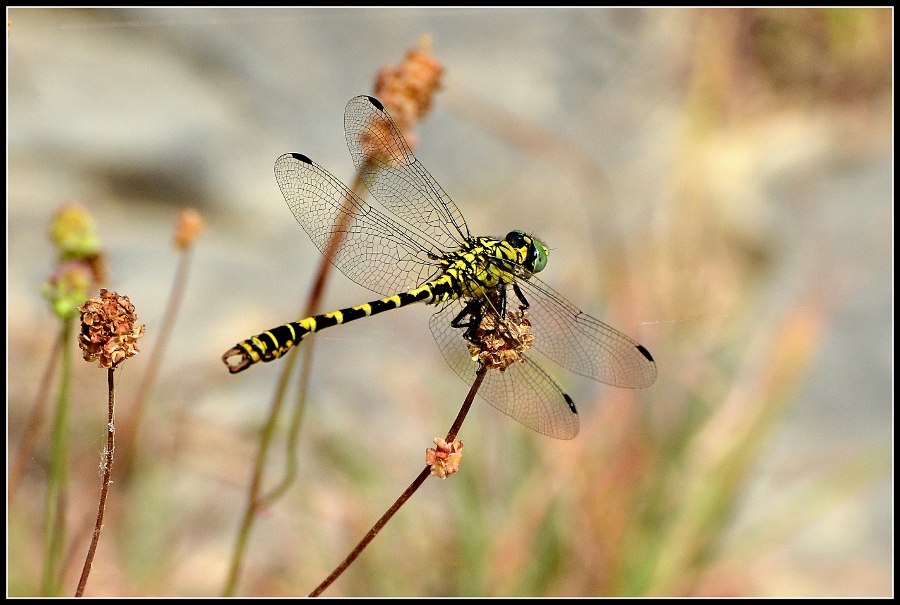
326	321
353	313
380	306
277	339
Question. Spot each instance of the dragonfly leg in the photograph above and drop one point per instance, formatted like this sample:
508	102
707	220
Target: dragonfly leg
474	310
501	299
520	296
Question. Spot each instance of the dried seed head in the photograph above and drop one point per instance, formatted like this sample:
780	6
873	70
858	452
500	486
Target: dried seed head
499	344
109	330
445	459
406	89
67	286
190	224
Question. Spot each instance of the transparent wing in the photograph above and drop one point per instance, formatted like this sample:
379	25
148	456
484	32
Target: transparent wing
370	248
396	178
581	343
525	391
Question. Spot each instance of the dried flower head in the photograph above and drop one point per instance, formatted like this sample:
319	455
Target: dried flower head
69	284
109	330
498	344
445	459
406	89
380	145
190	224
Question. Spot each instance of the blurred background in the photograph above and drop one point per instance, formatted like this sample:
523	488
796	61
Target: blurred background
716	184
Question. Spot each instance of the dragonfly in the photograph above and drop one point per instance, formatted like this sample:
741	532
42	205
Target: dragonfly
492	309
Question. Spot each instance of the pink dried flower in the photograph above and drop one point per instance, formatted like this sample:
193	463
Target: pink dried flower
445	459
406	90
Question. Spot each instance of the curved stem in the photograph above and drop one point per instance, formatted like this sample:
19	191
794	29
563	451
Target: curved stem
417	482
265	441
254	499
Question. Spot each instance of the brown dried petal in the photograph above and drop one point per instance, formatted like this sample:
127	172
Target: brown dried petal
444	460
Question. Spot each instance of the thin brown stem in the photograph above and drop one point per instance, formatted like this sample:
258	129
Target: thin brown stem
419	480
104	489
457	424
35	421
82	533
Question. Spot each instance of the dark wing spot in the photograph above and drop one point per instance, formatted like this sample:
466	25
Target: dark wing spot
376	103
570	402
301	157
645	352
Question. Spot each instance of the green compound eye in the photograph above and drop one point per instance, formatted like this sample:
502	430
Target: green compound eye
540	256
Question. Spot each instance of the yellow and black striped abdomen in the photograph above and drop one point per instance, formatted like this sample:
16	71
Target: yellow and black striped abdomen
473	271
274	343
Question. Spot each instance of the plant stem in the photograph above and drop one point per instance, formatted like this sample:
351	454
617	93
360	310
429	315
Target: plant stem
54	518
23	453
104	489
293	436
417	482
254	499
265	440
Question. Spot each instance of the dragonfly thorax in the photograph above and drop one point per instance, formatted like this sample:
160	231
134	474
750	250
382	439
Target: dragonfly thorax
484	264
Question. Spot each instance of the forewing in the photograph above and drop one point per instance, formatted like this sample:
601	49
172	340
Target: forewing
583	344
525	391
367	246
396	178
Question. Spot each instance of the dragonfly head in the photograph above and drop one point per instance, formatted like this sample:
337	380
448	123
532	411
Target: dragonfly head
532	251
